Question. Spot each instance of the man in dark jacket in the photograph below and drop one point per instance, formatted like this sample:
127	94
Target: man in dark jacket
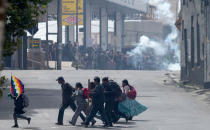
97	95
18	110
67	91
109	99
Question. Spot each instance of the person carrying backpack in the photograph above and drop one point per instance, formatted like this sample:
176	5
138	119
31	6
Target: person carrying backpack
109	99
97	95
130	107
129	90
80	95
116	89
20	103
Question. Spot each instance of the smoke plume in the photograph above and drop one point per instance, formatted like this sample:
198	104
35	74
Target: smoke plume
159	55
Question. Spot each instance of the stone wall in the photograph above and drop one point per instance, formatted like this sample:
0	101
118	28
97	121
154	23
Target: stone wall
194	52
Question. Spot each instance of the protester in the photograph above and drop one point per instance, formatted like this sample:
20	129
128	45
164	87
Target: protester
130	107
118	103
117	92
96	58
20	102
81	104
67	91
109	99
97	95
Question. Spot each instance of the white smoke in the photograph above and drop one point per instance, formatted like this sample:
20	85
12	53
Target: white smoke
145	43
160	48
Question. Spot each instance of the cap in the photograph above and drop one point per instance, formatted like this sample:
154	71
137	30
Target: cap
60	79
97	79
105	79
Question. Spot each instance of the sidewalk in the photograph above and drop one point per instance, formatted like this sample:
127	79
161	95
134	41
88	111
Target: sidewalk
202	94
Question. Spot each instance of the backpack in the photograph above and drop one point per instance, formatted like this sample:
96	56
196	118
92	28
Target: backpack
85	92
115	88
25	100
70	88
132	93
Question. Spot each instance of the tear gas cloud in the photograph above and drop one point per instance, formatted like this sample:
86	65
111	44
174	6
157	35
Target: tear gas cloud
158	55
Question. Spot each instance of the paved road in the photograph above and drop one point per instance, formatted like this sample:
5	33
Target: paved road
170	108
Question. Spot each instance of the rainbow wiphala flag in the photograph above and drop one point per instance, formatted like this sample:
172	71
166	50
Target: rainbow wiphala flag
17	87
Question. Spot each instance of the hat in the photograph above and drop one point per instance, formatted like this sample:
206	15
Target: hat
97	79
60	79
105	79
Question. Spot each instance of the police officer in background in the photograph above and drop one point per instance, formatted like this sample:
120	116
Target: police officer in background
67	91
97	95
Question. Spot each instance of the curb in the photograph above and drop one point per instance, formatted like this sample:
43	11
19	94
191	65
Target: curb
182	85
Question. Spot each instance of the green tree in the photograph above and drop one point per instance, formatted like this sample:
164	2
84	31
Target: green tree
20	16
2	15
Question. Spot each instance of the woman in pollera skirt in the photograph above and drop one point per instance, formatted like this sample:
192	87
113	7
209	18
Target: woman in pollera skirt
129	107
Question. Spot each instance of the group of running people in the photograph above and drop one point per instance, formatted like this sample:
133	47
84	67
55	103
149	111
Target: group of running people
106	101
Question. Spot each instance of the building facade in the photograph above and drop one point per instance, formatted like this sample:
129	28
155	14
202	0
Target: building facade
195	43
154	29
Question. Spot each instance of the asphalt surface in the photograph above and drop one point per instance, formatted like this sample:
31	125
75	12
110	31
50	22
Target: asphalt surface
169	107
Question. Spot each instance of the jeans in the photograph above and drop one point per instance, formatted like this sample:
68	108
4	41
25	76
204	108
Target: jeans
62	109
16	116
109	108
94	109
80	108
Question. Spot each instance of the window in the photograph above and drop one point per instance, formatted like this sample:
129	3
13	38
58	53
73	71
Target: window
115	24
192	43
198	43
203	50
182	29
186	48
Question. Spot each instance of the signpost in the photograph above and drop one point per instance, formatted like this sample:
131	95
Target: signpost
59	35
70	11
33	30
35	43
70	20
72	14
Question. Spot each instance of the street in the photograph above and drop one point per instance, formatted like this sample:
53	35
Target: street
169	107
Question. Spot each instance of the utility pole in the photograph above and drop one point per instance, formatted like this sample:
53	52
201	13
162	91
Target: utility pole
85	24
59	36
77	33
47	53
67	33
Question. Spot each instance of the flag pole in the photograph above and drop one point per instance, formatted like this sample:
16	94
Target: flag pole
10	81
9	93
88	96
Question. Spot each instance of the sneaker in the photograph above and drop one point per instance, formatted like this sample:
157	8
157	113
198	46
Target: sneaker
106	125
70	122
116	119
93	123
84	124
130	118
15	126
29	120
126	119
59	123
110	125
